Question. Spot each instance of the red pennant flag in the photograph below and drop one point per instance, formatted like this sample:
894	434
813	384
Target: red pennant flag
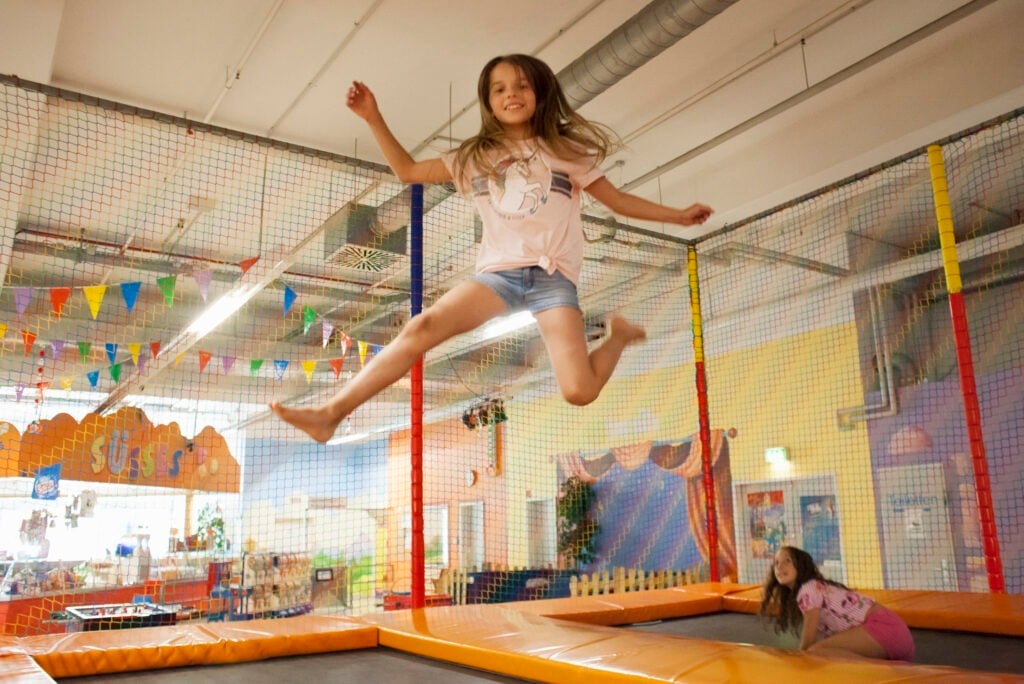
204	358
246	264
30	339
155	348
336	366
58	296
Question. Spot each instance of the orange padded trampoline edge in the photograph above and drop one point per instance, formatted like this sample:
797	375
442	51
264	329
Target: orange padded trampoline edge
85	653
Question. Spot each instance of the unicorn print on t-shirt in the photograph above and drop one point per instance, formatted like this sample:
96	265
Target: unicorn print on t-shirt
520	185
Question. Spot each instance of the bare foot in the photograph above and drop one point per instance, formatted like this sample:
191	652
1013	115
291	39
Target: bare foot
316	422
624	330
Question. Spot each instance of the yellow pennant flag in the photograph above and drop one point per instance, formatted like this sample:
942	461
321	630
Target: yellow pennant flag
362	352
66	383
177	359
3	330
135	348
94	296
309	367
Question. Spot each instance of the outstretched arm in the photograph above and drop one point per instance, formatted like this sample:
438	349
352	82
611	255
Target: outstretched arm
362	102
632	206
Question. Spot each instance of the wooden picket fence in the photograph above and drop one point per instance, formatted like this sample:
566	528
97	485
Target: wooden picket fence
622	580
455	582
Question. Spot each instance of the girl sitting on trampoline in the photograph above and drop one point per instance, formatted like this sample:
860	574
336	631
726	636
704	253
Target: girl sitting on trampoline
849	623
523	171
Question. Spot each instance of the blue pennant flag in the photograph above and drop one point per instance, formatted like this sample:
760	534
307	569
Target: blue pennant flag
130	292
289	298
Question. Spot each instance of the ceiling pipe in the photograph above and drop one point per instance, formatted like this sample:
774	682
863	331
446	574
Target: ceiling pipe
236	73
356	26
840	76
643	37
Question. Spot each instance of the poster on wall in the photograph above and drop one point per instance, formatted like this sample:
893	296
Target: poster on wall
766	511
820	524
47	482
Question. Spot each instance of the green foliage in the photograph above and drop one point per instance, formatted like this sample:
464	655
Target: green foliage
360	567
577	528
211	528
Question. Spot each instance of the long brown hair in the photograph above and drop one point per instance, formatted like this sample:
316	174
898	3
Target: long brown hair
563	132
778	602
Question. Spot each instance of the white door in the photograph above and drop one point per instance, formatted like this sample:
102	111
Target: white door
540	521
916	539
471	535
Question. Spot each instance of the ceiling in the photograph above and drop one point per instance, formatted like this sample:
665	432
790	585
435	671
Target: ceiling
764	102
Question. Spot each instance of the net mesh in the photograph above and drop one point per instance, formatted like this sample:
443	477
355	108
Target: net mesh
162	281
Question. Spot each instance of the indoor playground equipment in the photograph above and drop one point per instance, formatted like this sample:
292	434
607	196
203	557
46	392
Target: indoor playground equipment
841	373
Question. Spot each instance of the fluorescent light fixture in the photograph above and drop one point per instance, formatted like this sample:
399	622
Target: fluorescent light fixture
505	325
776	455
219	312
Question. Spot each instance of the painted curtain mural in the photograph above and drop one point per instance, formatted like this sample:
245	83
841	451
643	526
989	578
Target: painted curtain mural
651	504
931	429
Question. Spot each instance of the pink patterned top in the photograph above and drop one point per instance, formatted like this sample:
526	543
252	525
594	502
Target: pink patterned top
841	608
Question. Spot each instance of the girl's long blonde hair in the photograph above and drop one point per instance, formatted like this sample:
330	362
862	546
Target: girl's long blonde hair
561	130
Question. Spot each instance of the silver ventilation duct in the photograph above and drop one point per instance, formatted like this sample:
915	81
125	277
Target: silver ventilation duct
646	35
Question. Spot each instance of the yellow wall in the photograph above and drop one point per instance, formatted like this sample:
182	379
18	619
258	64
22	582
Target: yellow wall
781	393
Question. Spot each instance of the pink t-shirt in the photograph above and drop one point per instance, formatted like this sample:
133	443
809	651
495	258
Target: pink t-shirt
841	608
530	209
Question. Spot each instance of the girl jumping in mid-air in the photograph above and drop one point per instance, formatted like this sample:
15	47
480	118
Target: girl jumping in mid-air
523	171
849	623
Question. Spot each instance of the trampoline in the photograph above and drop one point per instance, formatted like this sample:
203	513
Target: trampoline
967	650
376	664
645	635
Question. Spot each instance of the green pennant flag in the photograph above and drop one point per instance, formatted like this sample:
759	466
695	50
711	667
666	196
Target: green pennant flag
115	372
83	350
254	366
167	287
308	316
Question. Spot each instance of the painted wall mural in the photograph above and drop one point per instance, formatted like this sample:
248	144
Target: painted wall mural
665	528
123	448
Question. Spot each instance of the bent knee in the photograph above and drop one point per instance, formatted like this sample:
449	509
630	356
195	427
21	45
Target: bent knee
578	396
424	325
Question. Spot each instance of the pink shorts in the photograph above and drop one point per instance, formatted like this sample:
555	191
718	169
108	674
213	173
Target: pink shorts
891	633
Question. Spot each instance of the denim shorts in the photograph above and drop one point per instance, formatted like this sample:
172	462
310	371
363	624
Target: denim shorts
531	288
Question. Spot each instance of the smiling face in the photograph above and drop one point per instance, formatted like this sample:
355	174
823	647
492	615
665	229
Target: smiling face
512	100
785	569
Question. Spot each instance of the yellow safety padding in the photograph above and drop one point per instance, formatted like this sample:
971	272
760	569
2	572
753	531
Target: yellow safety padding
526	639
126	650
518	644
956	611
746	601
19	668
624	609
961	611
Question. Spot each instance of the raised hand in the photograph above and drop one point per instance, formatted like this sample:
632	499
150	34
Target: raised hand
361	101
695	214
